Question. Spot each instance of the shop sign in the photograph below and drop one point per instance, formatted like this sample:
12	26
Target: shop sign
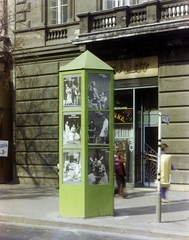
165	119
135	68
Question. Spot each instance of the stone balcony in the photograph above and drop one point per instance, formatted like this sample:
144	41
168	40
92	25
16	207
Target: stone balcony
148	17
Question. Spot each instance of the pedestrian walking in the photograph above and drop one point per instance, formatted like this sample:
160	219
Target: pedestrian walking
120	174
163	190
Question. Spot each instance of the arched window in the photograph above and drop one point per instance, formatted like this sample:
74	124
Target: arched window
58	11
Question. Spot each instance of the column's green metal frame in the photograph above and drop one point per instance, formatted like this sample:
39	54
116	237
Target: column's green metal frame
84	200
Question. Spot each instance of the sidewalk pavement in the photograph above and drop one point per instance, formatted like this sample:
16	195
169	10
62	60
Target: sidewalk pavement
134	215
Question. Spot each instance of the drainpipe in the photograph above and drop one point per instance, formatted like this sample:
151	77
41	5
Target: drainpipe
13	99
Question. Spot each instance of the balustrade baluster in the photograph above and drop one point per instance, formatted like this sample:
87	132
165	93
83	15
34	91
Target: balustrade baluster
106	22
166	13
186	9
109	22
137	17
134	18
131	18
162	13
96	24
114	21
144	16
175	11
93	24
179	12
183	10
170	12
100	22
140	17
60	34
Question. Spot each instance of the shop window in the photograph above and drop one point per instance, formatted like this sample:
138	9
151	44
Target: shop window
123	114
107	4
123	99
58	10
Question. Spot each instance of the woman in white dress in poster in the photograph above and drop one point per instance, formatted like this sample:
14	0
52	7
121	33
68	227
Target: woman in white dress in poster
104	130
68	95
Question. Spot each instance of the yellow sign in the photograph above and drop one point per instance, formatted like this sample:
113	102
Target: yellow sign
135	68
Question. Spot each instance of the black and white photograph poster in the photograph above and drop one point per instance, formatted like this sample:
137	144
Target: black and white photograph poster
98	91
98	128
72	167
71	129
72	90
98	166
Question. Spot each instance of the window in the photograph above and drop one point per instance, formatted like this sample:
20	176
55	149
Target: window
58	11
107	4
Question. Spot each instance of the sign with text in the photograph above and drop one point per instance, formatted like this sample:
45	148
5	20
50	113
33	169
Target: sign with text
165	119
3	148
123	115
135	68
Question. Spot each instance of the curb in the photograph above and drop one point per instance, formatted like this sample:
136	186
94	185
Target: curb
150	232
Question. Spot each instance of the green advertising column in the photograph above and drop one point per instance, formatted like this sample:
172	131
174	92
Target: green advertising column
86	174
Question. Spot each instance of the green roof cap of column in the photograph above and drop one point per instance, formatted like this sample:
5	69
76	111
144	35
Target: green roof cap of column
86	60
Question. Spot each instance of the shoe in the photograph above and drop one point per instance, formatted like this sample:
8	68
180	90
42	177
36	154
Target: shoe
163	200
125	195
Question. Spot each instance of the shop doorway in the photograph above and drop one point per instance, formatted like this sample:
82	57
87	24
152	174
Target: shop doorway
146	136
136	132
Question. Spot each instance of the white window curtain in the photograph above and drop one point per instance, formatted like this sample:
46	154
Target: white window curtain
107	4
58	10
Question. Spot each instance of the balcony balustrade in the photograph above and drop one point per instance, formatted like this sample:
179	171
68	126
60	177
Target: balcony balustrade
56	33
136	15
121	18
174	10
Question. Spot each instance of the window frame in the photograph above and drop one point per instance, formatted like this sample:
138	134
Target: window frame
108	4
58	9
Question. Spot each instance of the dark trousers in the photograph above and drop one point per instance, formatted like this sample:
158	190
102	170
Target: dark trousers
163	192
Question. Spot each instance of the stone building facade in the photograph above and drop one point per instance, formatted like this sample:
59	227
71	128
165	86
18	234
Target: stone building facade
147	45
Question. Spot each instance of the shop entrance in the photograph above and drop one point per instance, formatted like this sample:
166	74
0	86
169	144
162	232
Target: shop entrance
146	127
136	132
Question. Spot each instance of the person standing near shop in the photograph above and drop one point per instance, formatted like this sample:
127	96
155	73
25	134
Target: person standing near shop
163	190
